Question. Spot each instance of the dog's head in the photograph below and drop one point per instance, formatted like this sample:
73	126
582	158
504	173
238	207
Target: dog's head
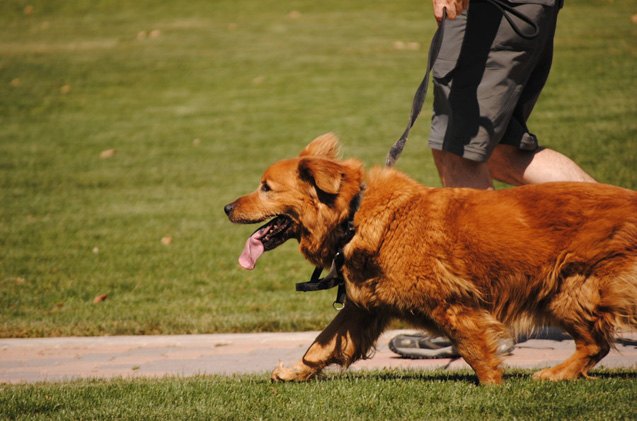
305	198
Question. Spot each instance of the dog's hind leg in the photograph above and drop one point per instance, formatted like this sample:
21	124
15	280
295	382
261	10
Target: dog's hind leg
349	337
476	335
590	348
590	309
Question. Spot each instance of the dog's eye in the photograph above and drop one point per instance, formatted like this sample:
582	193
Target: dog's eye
265	187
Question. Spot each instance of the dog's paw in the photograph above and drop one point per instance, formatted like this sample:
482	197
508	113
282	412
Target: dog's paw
294	374
556	375
546	374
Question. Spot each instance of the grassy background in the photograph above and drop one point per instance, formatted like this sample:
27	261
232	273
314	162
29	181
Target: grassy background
387	395
198	98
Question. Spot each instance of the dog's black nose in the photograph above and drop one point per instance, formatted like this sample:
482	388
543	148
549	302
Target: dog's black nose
228	208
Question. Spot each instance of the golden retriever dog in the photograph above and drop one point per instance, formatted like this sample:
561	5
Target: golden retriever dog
477	266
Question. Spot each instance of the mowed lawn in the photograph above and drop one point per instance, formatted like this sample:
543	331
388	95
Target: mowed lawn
387	395
125	126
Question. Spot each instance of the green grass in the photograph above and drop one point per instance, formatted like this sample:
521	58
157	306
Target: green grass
388	395
253	83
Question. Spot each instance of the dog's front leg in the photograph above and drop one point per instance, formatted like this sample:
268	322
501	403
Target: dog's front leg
346	339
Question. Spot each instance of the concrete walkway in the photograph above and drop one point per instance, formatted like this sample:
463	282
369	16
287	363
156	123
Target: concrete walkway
57	359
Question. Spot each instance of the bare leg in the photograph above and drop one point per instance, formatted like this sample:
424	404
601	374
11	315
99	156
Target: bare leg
456	171
346	339
513	166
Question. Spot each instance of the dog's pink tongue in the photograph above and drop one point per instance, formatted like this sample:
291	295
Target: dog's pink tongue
252	250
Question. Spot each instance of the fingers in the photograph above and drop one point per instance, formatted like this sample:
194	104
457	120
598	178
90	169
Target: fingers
439	5
454	8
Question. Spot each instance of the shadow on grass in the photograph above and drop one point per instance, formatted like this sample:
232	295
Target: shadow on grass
615	374
464	376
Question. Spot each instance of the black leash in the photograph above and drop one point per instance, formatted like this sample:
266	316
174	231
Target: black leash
436	42
507	10
421	93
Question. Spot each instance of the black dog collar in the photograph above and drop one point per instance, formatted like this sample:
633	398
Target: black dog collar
335	277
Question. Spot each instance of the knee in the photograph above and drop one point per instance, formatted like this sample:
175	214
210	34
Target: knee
456	171
508	164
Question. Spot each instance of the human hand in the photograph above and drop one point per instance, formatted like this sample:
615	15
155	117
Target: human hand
454	8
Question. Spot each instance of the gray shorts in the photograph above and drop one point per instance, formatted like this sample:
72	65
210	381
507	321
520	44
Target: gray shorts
487	79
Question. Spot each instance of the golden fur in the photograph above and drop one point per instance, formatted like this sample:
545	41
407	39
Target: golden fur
474	265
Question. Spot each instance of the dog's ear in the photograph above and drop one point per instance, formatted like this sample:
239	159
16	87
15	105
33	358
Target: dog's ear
324	174
326	146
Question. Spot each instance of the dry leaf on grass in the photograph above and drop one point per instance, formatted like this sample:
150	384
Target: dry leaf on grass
108	153
100	298
142	35
65	89
411	45
634	18
28	10
294	14
167	240
15	83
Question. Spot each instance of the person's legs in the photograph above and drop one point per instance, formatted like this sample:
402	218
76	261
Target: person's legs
473	115
517	167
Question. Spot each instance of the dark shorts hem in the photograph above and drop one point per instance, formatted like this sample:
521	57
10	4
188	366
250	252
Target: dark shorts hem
473	154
